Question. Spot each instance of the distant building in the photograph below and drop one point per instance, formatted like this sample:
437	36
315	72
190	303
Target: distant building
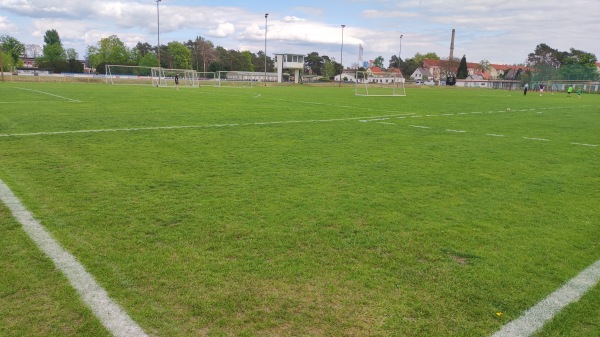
420	74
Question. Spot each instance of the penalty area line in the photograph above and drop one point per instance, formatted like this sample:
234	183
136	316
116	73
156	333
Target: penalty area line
534	318
47	93
112	316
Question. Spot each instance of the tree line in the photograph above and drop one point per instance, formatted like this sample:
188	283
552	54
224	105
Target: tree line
201	55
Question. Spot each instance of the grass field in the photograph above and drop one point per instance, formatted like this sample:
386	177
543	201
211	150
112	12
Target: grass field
300	211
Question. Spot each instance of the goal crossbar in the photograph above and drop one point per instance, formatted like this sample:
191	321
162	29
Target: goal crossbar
380	84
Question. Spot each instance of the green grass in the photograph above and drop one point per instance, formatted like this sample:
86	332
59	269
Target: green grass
332	221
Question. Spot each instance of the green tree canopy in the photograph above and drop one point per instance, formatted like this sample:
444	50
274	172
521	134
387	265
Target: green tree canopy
13	47
53	50
378	62
180	55
148	60
314	62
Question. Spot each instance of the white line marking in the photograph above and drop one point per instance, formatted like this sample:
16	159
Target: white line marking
112	316
583	144
534	319
387	123
420	127
47	93
540	139
494	135
459	131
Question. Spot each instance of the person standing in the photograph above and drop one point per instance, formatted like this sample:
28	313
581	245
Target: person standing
541	89
569	90
177	81
578	92
525	89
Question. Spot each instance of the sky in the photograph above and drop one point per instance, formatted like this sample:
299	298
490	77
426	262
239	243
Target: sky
499	31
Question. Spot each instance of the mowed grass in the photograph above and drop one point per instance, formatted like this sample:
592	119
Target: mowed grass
305	211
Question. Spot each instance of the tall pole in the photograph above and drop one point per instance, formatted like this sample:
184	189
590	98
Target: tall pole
400	52
266	27
158	34
342	56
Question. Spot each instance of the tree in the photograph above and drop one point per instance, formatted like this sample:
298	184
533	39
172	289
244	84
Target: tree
180	55
259	62
13	47
33	50
53	50
544	56
248	58
419	58
71	54
148	60
395	62
7	61
462	71
51	37
314	62
378	62
484	65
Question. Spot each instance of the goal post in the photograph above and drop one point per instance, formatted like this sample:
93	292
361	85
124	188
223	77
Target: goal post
128	75
379	84
562	85
164	77
238	79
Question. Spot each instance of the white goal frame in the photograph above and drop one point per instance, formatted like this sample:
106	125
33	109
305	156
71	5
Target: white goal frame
128	75
237	79
165	77
379	84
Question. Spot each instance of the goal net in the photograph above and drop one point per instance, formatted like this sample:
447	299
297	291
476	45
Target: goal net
128	75
206	78
163	77
563	85
379	84
239	79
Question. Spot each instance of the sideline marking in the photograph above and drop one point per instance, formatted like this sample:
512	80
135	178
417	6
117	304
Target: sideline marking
112	316
200	126
535	317
540	139
583	144
47	93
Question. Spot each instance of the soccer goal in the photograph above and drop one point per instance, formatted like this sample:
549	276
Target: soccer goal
379	84
163	77
237	79
128	75
563	85
206	78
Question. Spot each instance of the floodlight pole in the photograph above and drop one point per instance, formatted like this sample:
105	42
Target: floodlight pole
342	56
266	27
158	35
400	52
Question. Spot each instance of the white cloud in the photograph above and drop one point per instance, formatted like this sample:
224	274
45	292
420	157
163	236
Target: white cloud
6	25
292	19
377	14
222	30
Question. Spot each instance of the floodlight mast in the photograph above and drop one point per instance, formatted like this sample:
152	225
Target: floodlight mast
400	52
266	28
342	56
